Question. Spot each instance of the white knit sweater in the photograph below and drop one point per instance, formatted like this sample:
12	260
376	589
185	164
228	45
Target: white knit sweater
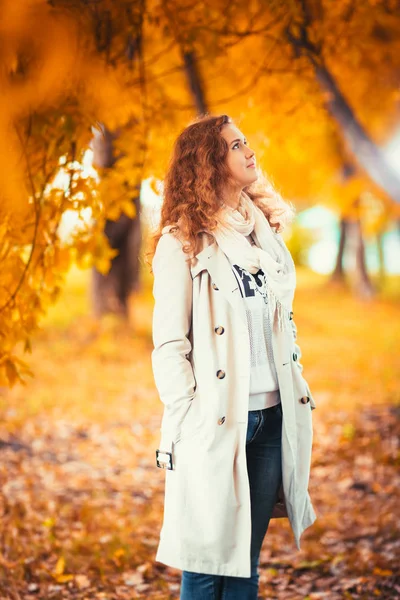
264	388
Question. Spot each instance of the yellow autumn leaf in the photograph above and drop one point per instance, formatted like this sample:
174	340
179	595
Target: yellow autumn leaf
348	431
114	212
49	522
154	185
64	578
129	209
382	572
102	264
11	372
60	566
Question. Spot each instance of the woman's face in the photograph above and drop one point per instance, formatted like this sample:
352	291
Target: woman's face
240	159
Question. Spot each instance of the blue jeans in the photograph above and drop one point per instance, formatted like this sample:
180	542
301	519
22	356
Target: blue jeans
263	454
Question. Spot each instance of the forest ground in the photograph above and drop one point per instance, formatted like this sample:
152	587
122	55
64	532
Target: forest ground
80	496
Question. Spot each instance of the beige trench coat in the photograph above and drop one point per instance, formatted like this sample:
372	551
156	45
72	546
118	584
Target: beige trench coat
207	522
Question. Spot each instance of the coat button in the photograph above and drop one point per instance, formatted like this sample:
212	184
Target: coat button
305	399
220	374
214	286
221	421
294	356
219	330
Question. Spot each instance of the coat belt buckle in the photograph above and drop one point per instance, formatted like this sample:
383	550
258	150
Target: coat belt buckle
164	459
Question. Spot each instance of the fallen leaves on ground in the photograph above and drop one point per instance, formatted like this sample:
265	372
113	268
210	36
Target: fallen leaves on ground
81	499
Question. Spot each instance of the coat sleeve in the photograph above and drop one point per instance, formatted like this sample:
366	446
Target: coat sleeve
300	366
172	317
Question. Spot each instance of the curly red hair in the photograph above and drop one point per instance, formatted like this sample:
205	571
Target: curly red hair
195	179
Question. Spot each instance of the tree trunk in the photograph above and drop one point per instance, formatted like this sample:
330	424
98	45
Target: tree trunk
110	292
194	81
363	284
364	149
338	272
381	256
368	155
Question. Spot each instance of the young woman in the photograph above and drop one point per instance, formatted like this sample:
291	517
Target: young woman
236	433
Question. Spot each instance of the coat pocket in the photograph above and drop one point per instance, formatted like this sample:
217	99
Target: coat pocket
191	424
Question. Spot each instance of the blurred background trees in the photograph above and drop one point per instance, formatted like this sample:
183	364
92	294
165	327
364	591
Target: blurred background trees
91	106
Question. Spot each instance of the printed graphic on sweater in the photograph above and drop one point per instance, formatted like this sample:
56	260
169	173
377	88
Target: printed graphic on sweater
249	282
253	290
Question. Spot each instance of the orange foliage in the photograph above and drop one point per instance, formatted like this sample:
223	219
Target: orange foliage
68	64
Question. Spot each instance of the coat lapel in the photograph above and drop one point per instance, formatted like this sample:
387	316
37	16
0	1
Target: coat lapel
217	264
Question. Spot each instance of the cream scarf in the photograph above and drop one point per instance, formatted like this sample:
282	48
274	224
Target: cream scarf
273	257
